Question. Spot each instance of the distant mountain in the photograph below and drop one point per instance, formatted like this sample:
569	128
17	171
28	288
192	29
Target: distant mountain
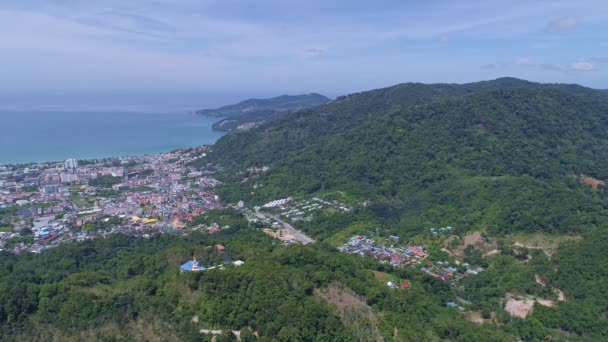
252	112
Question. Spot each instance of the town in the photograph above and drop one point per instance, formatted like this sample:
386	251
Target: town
45	204
408	255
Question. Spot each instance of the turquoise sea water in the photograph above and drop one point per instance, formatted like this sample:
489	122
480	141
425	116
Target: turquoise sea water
55	136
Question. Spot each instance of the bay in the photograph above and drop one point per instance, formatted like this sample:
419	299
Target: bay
55	136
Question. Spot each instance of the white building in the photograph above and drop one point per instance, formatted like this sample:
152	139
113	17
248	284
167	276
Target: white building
68	177
71	164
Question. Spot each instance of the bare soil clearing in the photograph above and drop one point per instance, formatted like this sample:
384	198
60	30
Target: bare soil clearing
353	311
593	182
475	317
477	240
521	306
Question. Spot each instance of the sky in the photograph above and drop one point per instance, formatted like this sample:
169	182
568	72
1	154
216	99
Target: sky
272	47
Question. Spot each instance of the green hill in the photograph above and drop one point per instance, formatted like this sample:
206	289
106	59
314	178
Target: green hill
297	130
503	153
261	110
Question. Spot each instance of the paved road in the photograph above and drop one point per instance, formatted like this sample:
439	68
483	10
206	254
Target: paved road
301	237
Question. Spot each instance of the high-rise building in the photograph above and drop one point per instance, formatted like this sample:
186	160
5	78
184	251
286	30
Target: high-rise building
68	177
71	164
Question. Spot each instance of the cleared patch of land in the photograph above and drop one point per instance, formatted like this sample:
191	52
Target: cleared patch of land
345	301
353	310
540	281
475	317
548	243
477	240
560	295
521	306
593	182
281	234
382	277
546	302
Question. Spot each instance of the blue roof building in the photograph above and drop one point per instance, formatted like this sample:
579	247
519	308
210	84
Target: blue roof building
454	305
192	266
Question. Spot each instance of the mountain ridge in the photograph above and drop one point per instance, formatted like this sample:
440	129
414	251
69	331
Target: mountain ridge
298	129
535	135
254	111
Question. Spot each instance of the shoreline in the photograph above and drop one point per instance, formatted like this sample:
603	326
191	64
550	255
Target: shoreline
36	138
101	159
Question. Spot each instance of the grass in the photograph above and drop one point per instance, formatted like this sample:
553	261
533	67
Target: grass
546	242
140	189
343	235
45	205
81	202
339	196
384	277
541	239
6	229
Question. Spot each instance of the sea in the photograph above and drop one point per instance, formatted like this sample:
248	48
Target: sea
40	135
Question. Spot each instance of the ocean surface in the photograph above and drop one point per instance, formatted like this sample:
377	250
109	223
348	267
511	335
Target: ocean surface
55	136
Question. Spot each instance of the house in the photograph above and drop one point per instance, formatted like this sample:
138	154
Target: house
238	263
220	248
405	285
454	305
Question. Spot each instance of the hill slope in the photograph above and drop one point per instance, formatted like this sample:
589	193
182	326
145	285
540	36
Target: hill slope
296	131
503	154
261	110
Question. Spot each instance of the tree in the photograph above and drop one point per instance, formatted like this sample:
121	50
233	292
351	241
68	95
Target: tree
247	335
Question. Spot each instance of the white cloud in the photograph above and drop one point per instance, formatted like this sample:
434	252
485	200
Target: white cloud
215	43
562	24
523	61
582	66
578	66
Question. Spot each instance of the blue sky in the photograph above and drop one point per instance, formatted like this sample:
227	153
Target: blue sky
267	47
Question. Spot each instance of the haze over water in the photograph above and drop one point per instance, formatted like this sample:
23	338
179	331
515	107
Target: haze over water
27	136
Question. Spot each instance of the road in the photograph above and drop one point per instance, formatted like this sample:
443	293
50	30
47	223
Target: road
298	235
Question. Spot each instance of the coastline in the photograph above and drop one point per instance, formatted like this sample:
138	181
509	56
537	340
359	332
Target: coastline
40	137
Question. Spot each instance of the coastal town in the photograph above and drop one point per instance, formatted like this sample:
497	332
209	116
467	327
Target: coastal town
43	205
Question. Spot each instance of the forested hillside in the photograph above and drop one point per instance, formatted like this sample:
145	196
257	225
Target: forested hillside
255	111
296	131
125	288
507	154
